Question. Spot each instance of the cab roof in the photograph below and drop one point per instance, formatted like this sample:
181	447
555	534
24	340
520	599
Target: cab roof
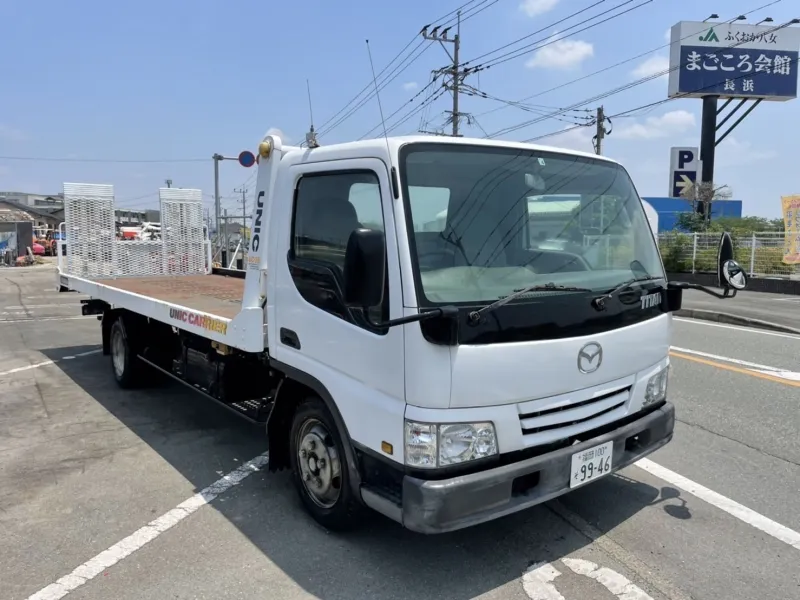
378	147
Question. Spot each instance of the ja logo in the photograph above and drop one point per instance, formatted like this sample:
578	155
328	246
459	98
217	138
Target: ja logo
709	36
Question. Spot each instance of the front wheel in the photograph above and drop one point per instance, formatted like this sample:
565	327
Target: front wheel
319	467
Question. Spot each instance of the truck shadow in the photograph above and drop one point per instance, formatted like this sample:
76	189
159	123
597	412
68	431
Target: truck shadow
203	441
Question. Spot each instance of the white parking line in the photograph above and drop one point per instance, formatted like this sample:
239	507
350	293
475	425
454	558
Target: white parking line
48	362
777	372
141	537
69	304
737	328
733	508
70	296
37	319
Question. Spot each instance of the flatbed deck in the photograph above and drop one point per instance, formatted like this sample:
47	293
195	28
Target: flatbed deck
216	295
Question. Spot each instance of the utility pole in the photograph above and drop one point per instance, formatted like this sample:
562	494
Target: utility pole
243	191
226	245
216	158
456	74
601	131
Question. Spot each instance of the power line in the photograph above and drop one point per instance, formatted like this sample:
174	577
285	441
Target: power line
389	78
544	42
663	101
402	106
325	128
532	109
550	26
417	110
367	86
104	160
411	58
603	70
617	90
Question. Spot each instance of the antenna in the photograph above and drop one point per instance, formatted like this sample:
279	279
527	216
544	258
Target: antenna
377	94
395	188
311	136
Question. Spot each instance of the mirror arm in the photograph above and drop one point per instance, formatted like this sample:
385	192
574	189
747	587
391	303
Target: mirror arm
444	311
682	285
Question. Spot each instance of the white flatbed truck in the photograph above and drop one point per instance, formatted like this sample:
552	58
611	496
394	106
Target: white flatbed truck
445	330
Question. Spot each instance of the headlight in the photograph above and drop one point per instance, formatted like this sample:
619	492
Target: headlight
430	445
656	387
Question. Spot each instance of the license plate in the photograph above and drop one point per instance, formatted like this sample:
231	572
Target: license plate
591	464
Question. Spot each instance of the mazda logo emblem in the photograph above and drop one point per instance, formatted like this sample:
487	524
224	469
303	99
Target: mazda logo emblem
590	357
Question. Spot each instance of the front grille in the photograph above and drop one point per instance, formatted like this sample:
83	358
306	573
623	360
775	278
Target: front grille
548	420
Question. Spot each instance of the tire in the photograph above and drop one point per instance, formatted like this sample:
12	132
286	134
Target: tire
317	454
126	367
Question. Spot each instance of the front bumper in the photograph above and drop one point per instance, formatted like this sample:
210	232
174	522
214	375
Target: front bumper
462	501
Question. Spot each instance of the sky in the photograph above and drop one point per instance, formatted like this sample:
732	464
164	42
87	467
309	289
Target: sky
136	93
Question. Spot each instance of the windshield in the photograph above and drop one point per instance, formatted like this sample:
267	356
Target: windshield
485	222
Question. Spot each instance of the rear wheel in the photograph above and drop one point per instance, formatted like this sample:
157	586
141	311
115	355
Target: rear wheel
127	368
320	468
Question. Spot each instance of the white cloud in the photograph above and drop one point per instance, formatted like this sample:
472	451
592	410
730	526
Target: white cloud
668	124
533	8
10	134
410	86
668	35
561	54
652	66
734	153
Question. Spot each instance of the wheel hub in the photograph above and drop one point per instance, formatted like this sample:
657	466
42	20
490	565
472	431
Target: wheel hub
319	464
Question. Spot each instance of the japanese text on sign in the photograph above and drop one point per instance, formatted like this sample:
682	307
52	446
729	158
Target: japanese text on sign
738	72
743	37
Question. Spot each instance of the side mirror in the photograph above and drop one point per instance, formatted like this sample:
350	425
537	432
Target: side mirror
364	268
733	276
729	273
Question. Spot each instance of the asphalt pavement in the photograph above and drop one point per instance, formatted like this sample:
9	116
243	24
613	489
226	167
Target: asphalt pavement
780	309
99	489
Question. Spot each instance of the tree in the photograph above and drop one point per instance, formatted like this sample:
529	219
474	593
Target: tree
706	193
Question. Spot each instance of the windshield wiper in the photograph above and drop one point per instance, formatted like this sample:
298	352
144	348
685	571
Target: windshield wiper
475	315
599	302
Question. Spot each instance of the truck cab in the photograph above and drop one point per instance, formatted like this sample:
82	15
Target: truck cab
476	371
445	330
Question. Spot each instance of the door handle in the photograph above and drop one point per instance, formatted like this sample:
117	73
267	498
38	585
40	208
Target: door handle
289	338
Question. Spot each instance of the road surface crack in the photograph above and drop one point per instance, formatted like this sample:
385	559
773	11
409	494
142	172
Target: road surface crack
745	444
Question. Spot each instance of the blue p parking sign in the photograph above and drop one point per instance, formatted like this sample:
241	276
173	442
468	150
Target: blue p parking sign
683	166
682	180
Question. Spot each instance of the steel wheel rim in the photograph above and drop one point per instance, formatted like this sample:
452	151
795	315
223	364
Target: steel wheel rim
319	464
118	353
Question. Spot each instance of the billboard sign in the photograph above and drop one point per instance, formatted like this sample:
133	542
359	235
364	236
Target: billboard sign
684	165
733	61
791	220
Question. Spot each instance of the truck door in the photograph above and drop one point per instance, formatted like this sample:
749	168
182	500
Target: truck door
360	366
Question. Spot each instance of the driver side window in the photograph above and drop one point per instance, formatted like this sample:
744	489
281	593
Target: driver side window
328	207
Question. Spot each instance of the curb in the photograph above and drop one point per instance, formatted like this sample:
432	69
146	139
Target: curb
730	319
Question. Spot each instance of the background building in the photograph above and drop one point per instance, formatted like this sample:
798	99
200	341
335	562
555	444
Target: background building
668	210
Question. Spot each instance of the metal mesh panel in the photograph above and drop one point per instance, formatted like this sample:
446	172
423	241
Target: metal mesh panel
89	218
182	231
139	258
95	252
759	253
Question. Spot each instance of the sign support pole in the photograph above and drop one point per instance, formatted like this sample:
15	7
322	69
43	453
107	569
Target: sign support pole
708	143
